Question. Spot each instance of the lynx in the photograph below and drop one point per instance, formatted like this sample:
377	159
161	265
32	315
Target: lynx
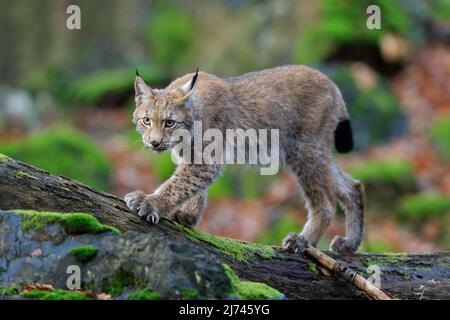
306	107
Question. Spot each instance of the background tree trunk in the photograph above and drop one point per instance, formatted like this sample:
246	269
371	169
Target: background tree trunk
405	276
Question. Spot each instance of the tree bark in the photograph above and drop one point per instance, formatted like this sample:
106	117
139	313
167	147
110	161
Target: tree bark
404	275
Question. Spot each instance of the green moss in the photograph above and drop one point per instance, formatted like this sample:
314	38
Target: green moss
25	174
388	258
84	254
422	206
144	294
376	247
116	284
189	293
440	136
73	223
3	158
238	250
63	151
9	291
55	295
312	267
249	290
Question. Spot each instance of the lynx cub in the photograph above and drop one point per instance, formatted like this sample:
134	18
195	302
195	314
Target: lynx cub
306	107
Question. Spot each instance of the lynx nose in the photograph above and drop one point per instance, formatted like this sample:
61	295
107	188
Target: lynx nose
155	144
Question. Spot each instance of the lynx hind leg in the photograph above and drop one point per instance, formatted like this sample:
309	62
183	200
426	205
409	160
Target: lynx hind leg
350	194
191	211
320	203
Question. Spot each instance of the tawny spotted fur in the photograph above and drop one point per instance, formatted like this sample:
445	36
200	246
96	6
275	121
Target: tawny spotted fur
306	107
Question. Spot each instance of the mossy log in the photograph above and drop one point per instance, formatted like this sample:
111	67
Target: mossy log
404	276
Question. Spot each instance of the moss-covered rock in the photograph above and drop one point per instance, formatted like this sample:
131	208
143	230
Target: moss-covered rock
63	151
73	223
131	262
249	290
84	254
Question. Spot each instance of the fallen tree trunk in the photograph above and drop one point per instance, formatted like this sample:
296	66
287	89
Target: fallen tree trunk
405	276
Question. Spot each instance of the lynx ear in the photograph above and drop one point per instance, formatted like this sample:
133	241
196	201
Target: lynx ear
142	90
189	87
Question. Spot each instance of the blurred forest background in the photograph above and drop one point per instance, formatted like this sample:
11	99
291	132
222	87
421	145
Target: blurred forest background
66	98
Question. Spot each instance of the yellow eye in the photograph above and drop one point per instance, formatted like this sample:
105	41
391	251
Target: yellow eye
169	123
146	121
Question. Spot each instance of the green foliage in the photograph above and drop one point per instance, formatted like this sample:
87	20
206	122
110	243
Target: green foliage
63	151
55	295
375	113
162	164
238	250
385	180
386	171
249	290
144	294
278	230
93	87
238	181
344	22
85	253
73	223
440	136
170	36
422	206
440	10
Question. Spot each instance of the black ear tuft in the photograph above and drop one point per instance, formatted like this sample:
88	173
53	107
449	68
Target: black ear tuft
194	79
137	73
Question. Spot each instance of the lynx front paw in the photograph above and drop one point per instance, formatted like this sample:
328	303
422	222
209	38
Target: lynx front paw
148	209
295	243
146	206
134	199
343	245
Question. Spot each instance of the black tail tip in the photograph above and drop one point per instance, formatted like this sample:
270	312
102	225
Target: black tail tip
343	137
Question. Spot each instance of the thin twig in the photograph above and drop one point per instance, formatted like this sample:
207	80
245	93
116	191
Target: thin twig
342	270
